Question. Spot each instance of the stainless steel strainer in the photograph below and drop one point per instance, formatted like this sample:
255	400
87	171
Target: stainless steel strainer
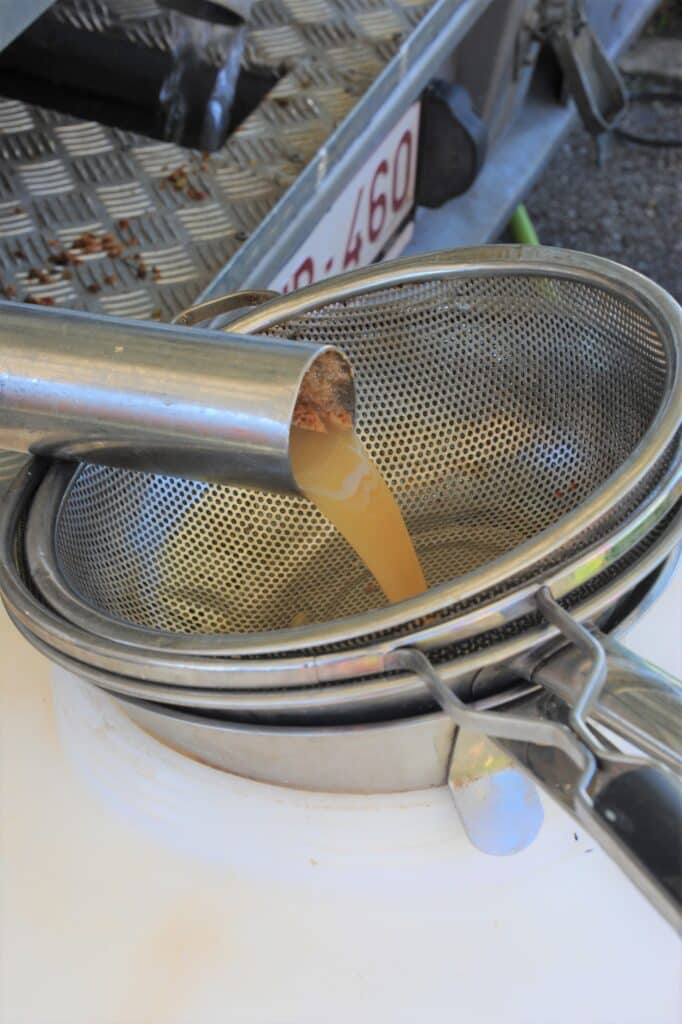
494	406
521	404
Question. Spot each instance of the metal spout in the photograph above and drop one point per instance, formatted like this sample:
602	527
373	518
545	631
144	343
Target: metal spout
158	398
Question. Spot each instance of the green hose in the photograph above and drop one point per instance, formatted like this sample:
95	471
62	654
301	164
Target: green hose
521	227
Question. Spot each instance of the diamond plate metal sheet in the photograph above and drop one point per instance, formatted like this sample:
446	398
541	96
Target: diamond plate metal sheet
64	179
88	216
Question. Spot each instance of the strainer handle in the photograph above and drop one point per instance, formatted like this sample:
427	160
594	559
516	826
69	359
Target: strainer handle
643	808
629	804
643	704
639	702
632	804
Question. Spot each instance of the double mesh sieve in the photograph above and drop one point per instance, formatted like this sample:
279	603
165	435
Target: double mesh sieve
522	404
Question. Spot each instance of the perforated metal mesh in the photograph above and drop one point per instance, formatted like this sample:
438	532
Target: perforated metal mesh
493	405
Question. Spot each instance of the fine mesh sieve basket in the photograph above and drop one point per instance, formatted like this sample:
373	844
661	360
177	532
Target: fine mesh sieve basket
520	403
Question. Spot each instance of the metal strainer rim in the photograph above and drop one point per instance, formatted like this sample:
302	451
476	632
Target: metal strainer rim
349	690
178	669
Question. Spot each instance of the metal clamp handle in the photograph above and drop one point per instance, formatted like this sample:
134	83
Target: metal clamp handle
631	804
590	75
614	795
638	702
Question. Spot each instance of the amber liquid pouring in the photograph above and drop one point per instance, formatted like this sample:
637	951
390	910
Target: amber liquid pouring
333	469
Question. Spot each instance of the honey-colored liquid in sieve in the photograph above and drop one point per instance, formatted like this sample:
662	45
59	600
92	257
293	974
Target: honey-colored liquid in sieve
334	470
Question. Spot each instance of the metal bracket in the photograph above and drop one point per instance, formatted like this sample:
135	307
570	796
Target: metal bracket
499	805
590	76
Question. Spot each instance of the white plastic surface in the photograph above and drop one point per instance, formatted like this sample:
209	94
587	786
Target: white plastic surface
139	887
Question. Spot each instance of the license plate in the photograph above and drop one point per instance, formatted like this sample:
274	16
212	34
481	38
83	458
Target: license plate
361	223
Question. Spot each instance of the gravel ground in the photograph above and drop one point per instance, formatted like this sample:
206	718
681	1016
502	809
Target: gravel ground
629	209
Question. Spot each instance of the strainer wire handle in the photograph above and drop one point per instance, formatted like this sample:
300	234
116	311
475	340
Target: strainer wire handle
630	804
637	701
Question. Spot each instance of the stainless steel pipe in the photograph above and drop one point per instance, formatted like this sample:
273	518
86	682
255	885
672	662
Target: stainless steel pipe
166	399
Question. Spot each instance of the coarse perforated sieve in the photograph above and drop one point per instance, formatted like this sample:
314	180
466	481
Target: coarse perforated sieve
498	395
